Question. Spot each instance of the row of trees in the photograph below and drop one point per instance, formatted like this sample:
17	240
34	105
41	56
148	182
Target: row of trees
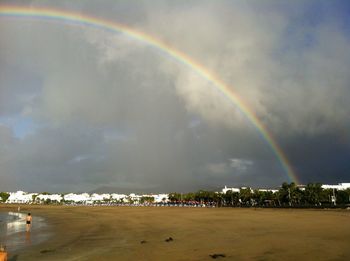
289	195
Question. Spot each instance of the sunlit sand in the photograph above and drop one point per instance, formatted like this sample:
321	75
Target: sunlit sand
164	233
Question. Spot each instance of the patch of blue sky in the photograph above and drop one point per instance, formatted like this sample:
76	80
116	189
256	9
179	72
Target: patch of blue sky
300	35
21	126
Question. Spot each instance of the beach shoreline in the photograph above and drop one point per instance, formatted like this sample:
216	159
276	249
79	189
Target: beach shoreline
142	233
13	231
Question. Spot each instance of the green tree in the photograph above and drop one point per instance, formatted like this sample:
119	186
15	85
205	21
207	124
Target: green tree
313	193
173	197
289	194
325	197
202	196
217	198
246	196
34	197
4	196
342	197
146	199
284	194
347	191
231	198
63	200
189	196
258	197
214	197
264	198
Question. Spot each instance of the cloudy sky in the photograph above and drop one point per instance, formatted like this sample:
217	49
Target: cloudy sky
83	108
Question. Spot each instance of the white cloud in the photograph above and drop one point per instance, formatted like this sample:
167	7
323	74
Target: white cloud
218	168
112	46
240	165
100	93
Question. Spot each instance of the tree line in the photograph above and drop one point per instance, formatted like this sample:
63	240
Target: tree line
289	195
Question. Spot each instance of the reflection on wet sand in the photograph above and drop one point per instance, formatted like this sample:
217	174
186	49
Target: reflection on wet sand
28	239
17	225
14	235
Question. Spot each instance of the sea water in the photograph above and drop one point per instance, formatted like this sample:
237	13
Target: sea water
13	231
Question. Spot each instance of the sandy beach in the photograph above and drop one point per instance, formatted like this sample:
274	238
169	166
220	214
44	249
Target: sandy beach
140	233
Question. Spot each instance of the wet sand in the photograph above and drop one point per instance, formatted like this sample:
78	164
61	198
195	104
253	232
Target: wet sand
140	233
13	231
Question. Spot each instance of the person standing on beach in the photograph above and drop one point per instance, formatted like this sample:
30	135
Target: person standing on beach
28	222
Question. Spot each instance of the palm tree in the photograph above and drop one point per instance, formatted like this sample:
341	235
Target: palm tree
313	193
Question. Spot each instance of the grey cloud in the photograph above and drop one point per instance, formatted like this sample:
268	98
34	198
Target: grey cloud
6	136
112	111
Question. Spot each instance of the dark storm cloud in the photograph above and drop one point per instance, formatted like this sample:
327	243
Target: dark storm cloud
322	157
106	110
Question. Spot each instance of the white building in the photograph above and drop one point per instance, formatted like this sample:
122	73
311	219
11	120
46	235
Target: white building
118	197
20	197
82	198
225	189
134	198
267	190
53	197
340	186
100	197
161	198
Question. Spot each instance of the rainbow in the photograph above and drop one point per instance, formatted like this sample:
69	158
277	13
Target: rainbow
64	16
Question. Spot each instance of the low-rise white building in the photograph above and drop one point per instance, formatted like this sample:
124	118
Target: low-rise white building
134	198
20	197
161	198
340	186
46	197
267	190
83	198
100	197
225	189
118	197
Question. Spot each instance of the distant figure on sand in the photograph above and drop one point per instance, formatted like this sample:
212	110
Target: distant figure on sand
28	222
3	254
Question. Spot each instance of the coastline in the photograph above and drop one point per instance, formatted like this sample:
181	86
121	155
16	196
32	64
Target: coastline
140	233
14	235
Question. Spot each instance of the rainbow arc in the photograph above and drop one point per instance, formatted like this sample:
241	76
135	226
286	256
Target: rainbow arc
63	16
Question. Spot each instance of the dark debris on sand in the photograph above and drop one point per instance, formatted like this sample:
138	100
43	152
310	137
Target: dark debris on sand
143	241
215	256
169	239
47	251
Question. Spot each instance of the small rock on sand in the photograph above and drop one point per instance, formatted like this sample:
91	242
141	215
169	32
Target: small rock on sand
215	256
47	251
169	239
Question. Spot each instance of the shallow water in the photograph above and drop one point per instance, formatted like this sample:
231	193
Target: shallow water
13	231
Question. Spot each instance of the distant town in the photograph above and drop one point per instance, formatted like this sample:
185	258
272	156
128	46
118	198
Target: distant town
311	195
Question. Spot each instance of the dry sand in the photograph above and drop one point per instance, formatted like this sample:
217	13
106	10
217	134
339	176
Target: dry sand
116	233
